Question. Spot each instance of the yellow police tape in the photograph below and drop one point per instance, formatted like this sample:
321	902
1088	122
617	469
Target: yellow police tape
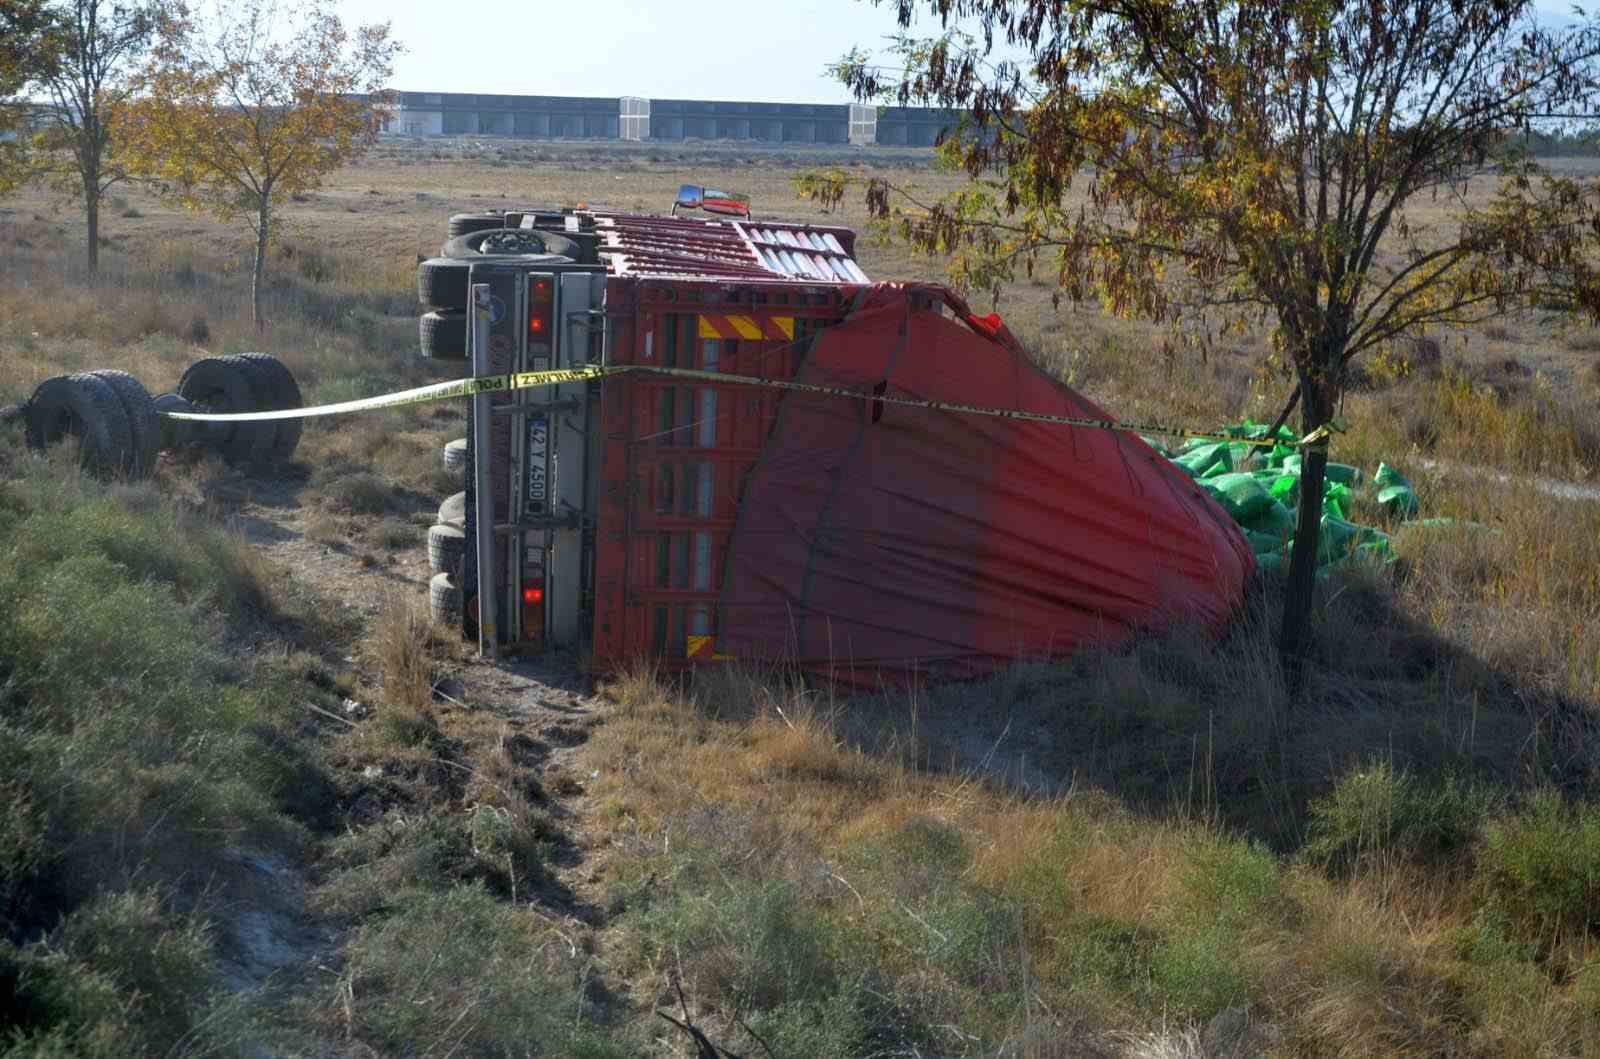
527	380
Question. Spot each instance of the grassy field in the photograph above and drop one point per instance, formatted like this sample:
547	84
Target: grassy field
1150	854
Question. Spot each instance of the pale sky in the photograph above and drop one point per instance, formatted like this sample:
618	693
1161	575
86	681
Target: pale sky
752	50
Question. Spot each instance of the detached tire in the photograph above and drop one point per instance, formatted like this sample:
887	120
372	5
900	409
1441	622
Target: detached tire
281	392
442	283
455	457
144	426
226	385
442	335
87	408
444	600
525	243
466	223
447	546
453	512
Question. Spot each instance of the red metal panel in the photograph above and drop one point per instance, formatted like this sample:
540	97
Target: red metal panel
675	457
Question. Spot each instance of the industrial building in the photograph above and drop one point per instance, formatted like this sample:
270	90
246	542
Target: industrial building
666	120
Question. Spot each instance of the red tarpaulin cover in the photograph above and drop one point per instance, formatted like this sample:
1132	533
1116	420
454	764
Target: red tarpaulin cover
878	540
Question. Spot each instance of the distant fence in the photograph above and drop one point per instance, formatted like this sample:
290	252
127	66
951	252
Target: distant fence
669	120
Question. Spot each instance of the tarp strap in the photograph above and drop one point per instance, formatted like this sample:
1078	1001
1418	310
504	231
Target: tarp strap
528	380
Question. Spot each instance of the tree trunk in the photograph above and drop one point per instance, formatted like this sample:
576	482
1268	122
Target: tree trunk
260	265
91	203
1317	403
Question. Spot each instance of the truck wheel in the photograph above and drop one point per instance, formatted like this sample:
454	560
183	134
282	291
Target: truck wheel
507	242
442	334
447	545
466	223
444	600
453	512
442	283
455	457
144	426
281	392
87	408
227	386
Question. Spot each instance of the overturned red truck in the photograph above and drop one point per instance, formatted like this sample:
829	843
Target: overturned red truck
678	518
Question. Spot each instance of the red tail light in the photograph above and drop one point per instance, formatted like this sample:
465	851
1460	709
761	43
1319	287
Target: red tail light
541	299
533	595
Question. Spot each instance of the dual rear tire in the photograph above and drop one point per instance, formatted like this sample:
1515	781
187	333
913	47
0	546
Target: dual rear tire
442	282
85	409
246	382
118	428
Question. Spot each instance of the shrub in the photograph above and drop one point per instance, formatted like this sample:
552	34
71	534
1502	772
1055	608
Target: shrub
1197	975
135	758
361	493
1540	868
754	944
1232	891
199	330
1379	813
122	976
460	972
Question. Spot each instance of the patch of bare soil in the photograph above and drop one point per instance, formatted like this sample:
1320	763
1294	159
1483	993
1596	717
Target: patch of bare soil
543	705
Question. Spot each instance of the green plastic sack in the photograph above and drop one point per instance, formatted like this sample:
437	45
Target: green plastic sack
1335	497
1344	474
1265	543
1208	460
1275	519
1251	429
1340	473
1262	500
1285	488
1394	493
1240	495
1341	541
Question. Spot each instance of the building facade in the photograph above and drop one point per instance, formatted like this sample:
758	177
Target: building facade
665	120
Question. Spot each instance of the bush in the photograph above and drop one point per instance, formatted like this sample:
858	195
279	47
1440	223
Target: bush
1232	892
1197	975
460	972
1540	868
134	760
123	975
361	493
754	944
1378	814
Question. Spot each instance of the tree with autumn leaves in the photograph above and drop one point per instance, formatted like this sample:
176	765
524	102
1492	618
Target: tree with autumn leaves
30	46
246	103
1248	161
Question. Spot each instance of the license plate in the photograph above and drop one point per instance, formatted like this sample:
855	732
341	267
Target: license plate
538	473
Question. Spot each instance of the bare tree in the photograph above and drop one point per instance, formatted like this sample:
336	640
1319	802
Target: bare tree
101	41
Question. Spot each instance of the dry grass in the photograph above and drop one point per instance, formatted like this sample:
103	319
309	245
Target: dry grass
840	873
942	887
